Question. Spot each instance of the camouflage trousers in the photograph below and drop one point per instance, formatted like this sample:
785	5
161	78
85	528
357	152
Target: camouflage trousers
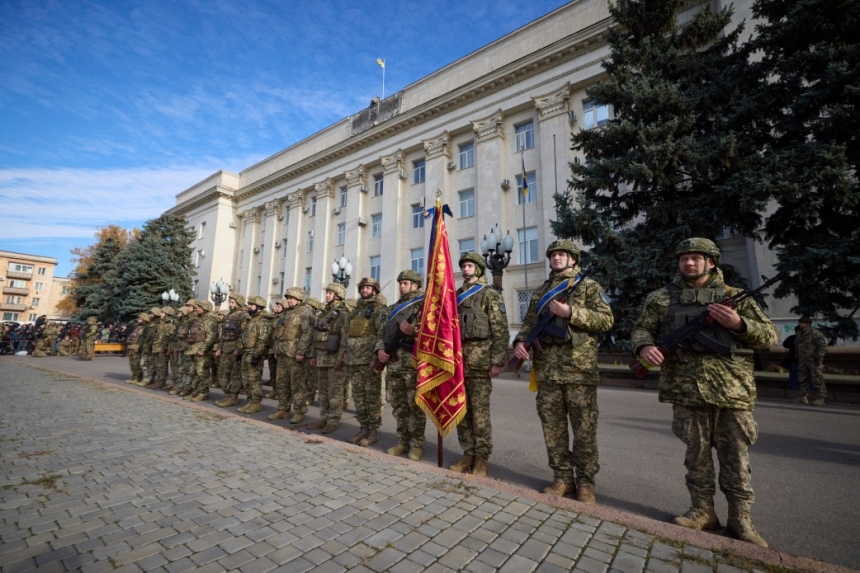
252	378
65	349
367	395
212	366
409	416
147	367
291	381
134	365
198	373
183	372
809	371
162	361
331	383
731	433
230	373
88	350
475	432
558	404
43	348
173	367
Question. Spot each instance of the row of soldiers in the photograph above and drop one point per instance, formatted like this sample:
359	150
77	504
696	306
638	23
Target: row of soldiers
73	340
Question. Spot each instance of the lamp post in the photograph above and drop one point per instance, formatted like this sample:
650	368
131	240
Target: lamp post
169	297
341	271
497	253
220	291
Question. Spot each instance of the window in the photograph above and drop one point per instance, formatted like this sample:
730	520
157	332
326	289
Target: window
595	115
41	271
416	257
528	243
259	285
467	203
525	136
310	241
18	268
201	231
66	289
10	316
376	225
308	276
281	276
343	196
377	185
418	171
18	283
12	299
313	207
33	317
196	290
466	246
241	257
532	195
375	265
36	301
197	256
39	286
284	248
417	216
467	155
523	299
341	233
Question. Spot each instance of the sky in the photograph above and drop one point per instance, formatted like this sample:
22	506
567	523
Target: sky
110	108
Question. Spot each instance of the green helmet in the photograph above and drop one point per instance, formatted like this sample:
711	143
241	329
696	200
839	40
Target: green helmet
258	301
337	289
315	304
205	305
699	245
240	300
367	281
296	293
563	245
168	310
156	310
411	275
480	264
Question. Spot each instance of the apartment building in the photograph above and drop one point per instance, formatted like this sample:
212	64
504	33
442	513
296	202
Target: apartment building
27	286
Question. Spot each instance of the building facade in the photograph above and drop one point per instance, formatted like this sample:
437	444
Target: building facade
465	132
27	287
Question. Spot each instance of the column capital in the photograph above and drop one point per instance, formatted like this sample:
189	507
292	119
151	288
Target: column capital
489	128
437	147
273	207
324	189
295	200
356	177
553	104
393	163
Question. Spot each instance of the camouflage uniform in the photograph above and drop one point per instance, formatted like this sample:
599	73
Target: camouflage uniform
133	348
202	333
179	345
164	330
255	344
567	375
90	332
327	356
292	335
712	395
67	345
484	333
229	345
811	347
147	359
45	344
359	335
401	375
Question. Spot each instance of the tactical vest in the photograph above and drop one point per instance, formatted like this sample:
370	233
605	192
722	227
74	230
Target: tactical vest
322	330
474	321
289	328
684	305
251	333
360	323
230	330
392	327
196	332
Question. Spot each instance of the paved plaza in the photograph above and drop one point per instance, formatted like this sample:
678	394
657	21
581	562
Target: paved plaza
106	477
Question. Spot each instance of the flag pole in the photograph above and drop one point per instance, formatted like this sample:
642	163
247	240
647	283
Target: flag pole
523	199
381	62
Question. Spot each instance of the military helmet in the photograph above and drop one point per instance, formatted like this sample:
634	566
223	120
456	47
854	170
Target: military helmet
223	312
168	310
191	302
367	281
92	320
143	316
805	319
563	245
337	289
205	305
296	293
316	304
156	310
240	300
480	263
699	245
258	301
410	275
182	311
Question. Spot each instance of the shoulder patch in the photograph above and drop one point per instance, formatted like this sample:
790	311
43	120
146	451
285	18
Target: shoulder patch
604	297
502	308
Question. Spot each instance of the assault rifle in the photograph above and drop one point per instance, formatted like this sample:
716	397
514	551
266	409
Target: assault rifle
391	348
542	325
695	328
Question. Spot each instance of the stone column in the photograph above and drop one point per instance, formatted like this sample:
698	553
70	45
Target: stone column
250	221
357	219
293	270
553	114
268	252
323	228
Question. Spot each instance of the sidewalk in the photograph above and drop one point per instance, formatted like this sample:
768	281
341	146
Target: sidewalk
102	476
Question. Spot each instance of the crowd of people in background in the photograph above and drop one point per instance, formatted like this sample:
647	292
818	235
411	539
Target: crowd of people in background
60	338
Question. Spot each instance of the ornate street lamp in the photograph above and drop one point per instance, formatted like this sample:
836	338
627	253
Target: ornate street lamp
169	297
220	291
497	253
341	271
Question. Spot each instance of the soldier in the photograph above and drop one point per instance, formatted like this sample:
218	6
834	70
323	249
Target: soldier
228	348
187	315
255	345
214	362
45	344
147	358
326	357
277	307
566	371
292	341
202	333
484	332
398	325
313	380
811	347
88	348
359	334
67	344
712	395
133	348
164	330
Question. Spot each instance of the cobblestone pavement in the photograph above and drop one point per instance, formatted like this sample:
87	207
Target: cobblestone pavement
98	477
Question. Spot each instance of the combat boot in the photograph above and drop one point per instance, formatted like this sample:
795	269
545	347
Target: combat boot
329	428
200	397
463	465
189	397
297	418
229	401
801	400
585	494
480	467
252	408
141	383
398	450
131	381
156	385
183	393
699	518
359	436
415	454
174	391
318	425
243	408
558	488
818	402
279	415
741	525
369	440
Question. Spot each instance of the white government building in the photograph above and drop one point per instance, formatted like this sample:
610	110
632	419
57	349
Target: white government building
357	188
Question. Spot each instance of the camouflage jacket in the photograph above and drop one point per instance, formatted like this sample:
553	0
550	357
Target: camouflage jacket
811	346
255	336
133	340
706	377
202	334
163	334
230	331
386	329
483	327
326	348
292	333
147	337
572	359
180	335
50	332
359	333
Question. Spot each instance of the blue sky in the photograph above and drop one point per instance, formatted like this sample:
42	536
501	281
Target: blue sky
110	108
